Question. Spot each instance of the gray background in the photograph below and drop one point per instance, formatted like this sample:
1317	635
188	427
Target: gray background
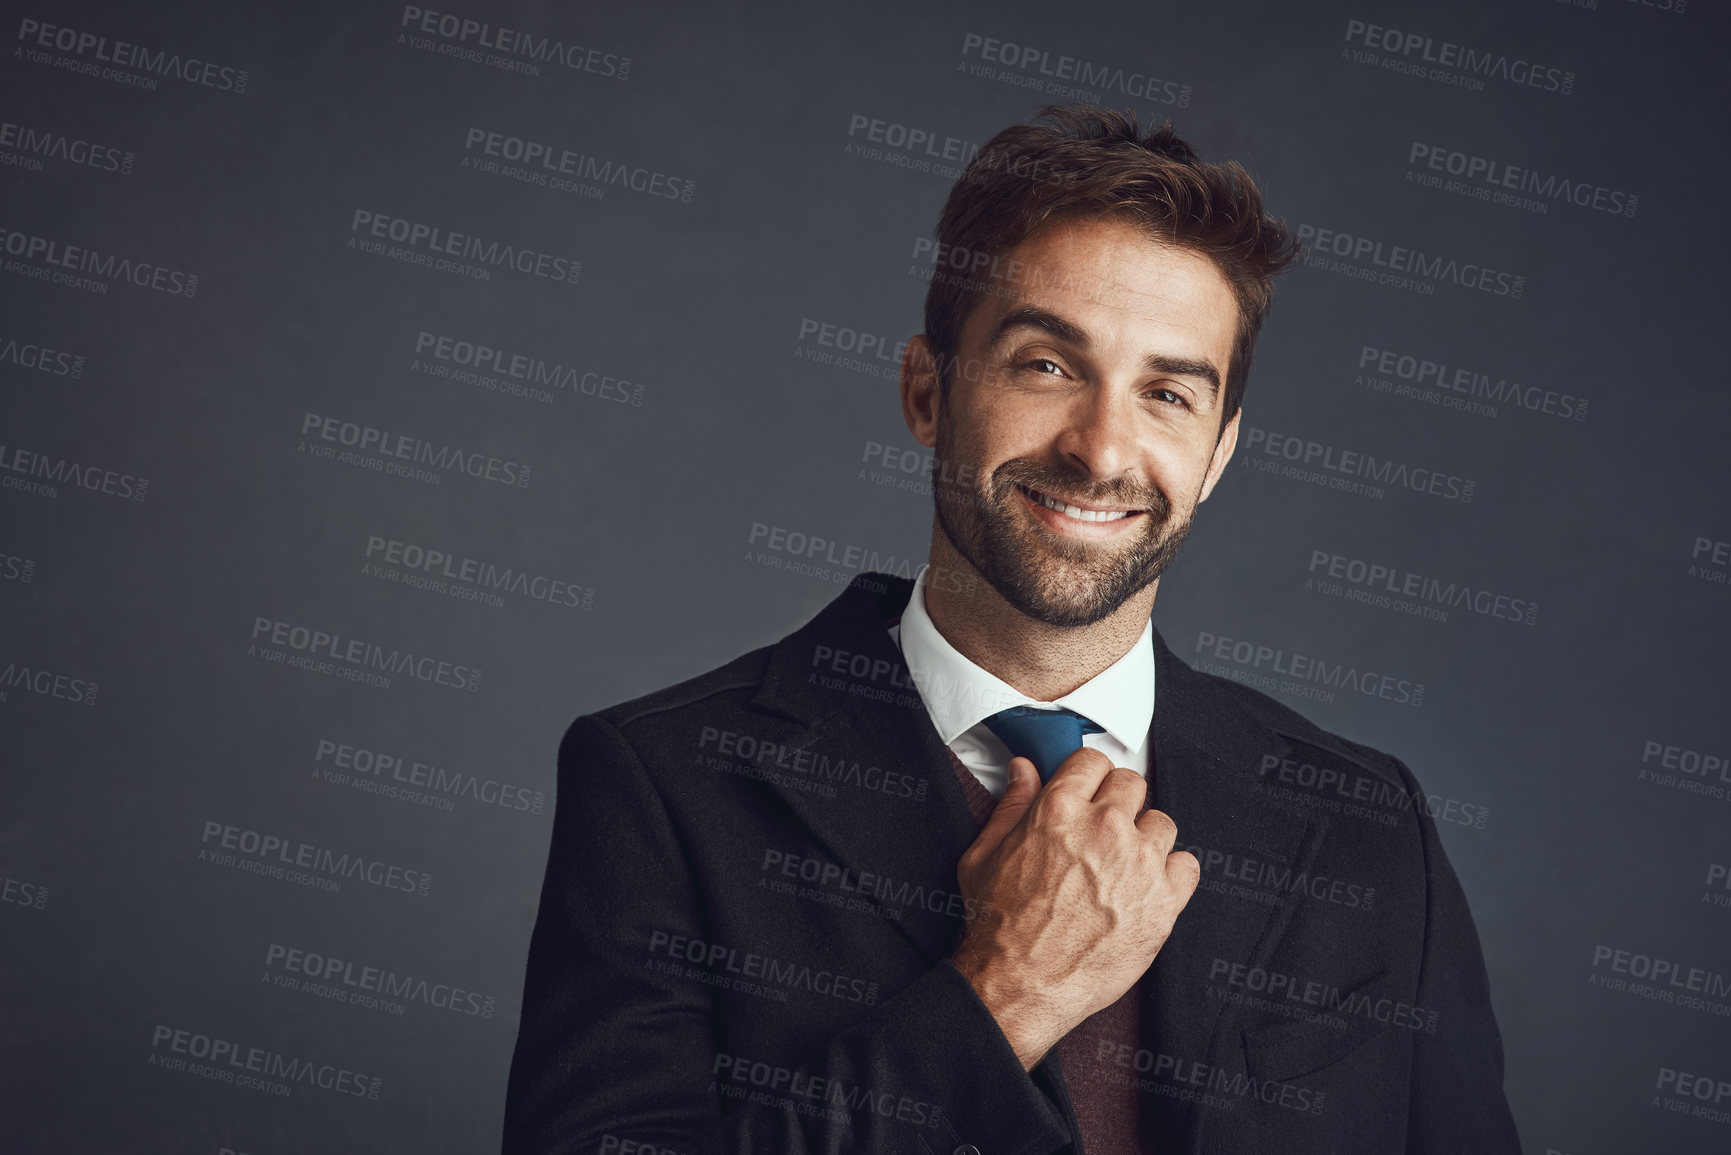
113	925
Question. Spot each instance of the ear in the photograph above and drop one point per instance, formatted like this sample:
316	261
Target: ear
1222	454
920	398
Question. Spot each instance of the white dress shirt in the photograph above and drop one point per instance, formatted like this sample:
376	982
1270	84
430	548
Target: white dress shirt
959	695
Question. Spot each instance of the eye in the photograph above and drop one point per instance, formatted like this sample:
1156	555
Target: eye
1170	396
1043	366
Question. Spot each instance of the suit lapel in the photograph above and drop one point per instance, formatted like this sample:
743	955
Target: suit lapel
843	677
1207	760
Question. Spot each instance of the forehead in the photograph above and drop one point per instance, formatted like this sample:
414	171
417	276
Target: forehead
1114	280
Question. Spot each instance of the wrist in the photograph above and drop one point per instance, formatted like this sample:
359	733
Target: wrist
1016	1005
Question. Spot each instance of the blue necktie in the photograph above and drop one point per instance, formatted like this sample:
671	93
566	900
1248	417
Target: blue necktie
1045	737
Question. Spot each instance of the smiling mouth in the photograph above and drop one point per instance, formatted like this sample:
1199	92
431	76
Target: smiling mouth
1077	512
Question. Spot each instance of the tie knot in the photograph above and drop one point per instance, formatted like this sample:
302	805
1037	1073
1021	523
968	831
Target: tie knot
1044	737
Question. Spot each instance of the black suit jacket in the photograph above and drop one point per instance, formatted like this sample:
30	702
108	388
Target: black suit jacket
750	902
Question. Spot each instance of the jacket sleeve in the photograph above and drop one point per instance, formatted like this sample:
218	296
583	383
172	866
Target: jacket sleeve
1456	1104
614	1057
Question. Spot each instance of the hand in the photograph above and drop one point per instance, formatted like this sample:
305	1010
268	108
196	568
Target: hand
1077	895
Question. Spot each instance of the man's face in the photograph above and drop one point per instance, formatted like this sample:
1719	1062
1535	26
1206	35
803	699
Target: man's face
1094	381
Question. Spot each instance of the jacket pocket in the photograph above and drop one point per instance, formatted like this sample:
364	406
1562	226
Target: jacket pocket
1283	1051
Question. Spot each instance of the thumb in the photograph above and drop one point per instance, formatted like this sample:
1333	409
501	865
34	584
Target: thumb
1024	787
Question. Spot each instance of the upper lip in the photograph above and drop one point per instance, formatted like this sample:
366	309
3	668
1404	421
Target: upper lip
1083	504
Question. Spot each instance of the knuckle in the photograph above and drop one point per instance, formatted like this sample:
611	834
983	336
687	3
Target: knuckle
1124	775
1060	802
1087	755
1186	864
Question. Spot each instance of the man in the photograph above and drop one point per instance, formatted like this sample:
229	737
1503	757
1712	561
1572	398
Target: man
974	864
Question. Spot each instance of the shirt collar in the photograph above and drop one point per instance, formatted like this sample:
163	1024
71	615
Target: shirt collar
959	695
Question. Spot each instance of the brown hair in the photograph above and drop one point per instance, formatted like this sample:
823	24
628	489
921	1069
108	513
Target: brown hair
1085	162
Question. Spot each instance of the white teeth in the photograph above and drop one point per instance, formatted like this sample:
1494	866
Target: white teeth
1076	512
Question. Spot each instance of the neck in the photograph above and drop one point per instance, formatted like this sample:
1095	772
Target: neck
1042	661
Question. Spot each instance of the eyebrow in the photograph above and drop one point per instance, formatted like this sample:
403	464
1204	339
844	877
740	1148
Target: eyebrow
1034	317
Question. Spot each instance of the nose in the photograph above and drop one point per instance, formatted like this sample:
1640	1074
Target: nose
1099	432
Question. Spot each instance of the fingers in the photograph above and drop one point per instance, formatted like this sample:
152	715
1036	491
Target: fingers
1122	789
1157	826
1080	773
1024	787
1183	873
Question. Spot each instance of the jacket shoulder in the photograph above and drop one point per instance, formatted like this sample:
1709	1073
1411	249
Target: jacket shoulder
734	682
1295	727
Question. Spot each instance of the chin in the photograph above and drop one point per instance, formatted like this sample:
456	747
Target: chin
1059	596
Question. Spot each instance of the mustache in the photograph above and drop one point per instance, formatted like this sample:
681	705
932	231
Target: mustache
1120	491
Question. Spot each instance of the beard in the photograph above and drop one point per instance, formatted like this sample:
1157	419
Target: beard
1058	581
